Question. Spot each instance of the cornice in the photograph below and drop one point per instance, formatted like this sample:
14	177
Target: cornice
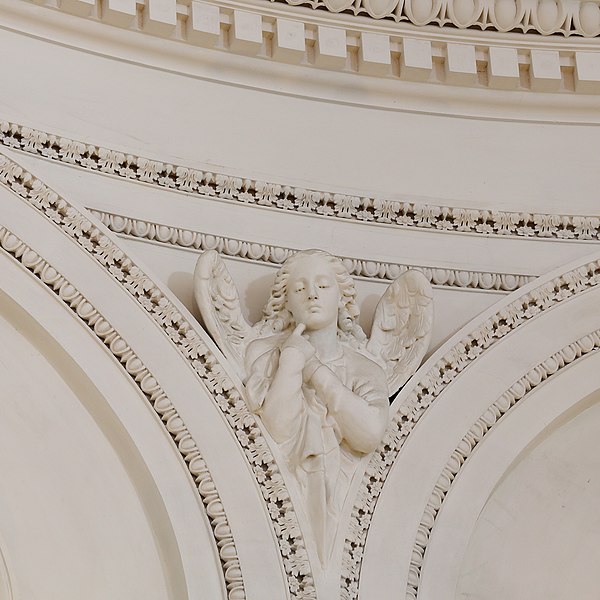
146	383
131	227
455	56
514	395
198	356
367	209
430	384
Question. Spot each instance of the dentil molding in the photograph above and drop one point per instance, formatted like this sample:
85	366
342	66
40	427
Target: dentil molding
384	49
142	378
276	255
279	196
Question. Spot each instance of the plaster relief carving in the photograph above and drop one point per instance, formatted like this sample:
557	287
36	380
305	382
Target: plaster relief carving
154	394
276	255
325	204
320	386
189	344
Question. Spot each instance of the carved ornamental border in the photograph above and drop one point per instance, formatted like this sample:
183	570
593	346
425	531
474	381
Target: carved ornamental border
205	364
199	357
276	255
151	390
571	353
426	390
375	46
365	209
528	16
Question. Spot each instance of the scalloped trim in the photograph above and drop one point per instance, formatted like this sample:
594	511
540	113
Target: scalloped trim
154	394
200	358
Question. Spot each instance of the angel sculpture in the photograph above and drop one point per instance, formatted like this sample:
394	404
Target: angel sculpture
320	387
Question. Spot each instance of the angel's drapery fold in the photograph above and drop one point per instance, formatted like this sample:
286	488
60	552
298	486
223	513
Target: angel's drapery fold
324	425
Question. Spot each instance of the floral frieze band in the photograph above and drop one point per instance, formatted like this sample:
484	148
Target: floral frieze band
366	209
155	395
188	342
528	16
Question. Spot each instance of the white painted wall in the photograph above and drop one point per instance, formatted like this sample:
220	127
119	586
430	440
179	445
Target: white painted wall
72	522
538	536
282	130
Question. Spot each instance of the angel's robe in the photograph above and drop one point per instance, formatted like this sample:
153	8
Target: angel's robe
324	426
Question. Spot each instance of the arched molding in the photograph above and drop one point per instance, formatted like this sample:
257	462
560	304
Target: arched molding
210	415
485	424
359	206
379	47
5	577
114	393
542	409
571	77
439	406
276	255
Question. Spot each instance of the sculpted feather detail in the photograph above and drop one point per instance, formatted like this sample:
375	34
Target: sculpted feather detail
402	327
321	392
219	303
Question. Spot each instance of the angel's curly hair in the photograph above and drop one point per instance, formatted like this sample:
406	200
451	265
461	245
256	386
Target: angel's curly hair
277	318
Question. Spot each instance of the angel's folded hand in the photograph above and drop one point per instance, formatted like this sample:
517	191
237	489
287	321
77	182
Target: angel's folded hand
297	346
312	364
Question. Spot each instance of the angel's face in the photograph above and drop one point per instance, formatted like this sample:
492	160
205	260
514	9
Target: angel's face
313	295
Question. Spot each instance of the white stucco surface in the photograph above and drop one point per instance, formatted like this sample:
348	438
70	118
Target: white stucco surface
98	498
71	519
539	533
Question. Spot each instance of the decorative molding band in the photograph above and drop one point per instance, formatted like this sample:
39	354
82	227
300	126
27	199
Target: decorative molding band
431	384
515	394
283	197
198	356
152	391
528	16
276	255
380	48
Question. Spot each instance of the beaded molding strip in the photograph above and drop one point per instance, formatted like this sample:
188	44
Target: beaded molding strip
431	385
154	394
207	184
516	393
276	255
199	357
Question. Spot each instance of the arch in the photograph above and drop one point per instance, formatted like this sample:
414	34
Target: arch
170	360
78	413
444	407
538	414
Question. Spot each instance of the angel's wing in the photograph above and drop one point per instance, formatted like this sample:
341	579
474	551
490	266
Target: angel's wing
219	304
402	327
